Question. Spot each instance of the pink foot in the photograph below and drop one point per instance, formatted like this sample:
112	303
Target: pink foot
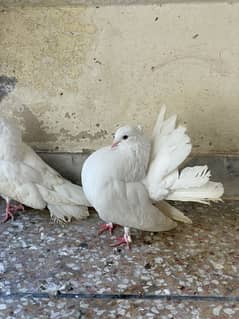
106	227
10	209
16	208
8	215
125	240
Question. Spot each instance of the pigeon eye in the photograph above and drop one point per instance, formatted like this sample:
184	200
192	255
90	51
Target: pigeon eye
125	137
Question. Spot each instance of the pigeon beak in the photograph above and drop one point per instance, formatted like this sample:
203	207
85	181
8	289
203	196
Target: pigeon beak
114	144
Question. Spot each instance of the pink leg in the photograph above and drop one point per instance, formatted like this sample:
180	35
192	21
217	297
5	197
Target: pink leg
106	227
8	213
10	209
125	240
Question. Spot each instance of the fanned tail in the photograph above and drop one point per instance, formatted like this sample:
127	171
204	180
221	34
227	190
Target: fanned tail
195	176
170	147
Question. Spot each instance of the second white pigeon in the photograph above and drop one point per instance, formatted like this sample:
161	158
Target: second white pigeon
26	178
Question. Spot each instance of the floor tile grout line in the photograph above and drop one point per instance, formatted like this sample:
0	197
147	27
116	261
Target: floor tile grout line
172	297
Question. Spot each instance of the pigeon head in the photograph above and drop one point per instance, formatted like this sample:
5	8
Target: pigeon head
127	134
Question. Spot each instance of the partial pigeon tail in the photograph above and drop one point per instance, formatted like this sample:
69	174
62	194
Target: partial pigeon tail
173	213
195	176
52	196
65	201
170	147
194	185
64	213
72	192
211	191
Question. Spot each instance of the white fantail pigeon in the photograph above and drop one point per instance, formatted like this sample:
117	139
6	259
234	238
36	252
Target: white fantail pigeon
122	181
26	178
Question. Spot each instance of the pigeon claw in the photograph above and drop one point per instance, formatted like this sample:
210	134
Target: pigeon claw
10	209
106	227
125	240
8	215
16	208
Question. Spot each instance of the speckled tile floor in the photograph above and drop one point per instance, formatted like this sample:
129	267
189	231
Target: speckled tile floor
76	274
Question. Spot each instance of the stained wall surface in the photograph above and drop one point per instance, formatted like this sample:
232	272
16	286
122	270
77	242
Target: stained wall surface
72	75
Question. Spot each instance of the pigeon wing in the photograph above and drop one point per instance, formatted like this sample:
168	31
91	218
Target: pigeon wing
18	182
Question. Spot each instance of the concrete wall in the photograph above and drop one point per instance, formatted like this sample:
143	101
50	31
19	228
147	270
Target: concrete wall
72	75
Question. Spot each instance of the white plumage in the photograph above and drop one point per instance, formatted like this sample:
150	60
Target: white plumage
26	178
122	181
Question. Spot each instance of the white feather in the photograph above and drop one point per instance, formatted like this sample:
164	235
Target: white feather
65	213
211	191
192	177
72	191
173	213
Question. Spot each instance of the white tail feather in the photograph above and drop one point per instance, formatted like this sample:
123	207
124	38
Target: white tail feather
72	192
192	177
211	191
63	195
161	129
64	213
170	147
172	153
173	213
159	122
